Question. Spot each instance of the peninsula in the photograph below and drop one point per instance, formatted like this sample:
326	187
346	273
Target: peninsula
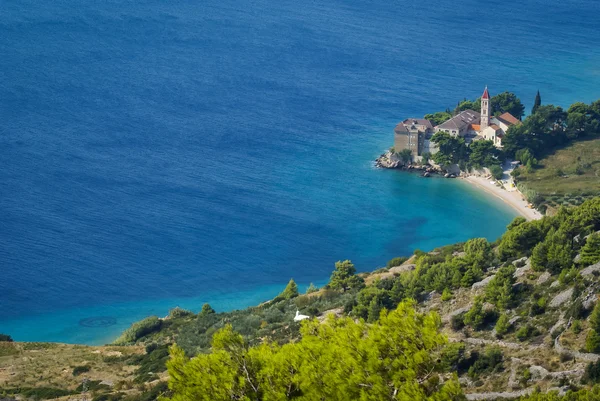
497	151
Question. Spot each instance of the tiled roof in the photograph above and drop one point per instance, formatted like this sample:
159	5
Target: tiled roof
400	128
495	127
417	121
461	121
475	127
508	119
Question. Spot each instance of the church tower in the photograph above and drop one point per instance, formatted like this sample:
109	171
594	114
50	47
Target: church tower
485	109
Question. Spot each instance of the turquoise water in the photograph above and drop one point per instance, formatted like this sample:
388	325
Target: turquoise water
156	155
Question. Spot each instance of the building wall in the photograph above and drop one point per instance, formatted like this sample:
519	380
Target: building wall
409	140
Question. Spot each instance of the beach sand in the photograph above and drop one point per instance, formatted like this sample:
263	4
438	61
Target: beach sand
513	198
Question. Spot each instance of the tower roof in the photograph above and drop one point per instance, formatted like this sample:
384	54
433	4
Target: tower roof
486	94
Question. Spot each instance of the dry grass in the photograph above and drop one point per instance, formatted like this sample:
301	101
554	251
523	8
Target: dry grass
574	170
51	365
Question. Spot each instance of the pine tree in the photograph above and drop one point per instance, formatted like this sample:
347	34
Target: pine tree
206	310
344	278
537	103
311	288
590	253
290	291
595	318
502	325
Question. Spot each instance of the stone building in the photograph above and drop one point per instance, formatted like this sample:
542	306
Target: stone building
412	134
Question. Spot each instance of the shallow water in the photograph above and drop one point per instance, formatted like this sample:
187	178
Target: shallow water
155	155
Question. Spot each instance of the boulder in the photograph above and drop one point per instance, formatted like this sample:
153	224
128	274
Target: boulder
483	283
561	298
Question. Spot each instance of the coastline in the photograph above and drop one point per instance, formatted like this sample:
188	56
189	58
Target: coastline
513	198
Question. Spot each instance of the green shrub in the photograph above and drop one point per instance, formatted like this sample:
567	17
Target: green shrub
396	261
6	337
526	332
311	288
77	370
179	312
592	342
576	326
139	329
457	322
502	325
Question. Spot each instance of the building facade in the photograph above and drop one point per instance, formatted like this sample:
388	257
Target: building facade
412	134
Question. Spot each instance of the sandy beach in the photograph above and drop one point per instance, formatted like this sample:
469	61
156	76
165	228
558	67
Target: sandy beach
512	198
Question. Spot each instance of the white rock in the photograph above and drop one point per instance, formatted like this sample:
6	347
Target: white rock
561	298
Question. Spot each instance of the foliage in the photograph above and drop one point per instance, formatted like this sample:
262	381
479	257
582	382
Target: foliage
438	118
502	325
6	338
290	291
77	370
206	310
139	330
490	361
396	261
497	172
592	342
446	295
590	252
311	288
526	332
595	318
39	393
465	104
507	102
475	317
340	360
451	149
499	290
405	155
537	102
179	312
592	373
344	278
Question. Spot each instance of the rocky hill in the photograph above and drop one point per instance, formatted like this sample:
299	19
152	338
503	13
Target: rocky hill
520	316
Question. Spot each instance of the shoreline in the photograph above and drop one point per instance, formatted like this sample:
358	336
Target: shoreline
512	198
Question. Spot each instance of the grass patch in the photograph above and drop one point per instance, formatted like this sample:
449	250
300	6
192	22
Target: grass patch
573	171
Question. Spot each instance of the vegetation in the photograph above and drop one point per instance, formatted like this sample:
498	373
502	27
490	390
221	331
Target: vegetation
375	334
339	360
138	330
5	337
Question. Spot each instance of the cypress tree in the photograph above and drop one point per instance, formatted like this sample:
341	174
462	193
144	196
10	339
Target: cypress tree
537	103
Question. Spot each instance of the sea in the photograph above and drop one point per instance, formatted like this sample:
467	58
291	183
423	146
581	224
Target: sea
158	154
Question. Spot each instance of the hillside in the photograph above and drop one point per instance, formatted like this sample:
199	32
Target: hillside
517	316
566	177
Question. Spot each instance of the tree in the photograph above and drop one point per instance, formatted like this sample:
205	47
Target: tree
502	325
483	154
290	291
6	338
497	172
311	288
206	310
592	341
343	359
595	318
499	290
536	103
405	155
451	149
590	252
478	251
438	118
475	317
468	105
507	102
344	278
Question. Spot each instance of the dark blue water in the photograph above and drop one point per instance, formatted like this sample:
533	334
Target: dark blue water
155	154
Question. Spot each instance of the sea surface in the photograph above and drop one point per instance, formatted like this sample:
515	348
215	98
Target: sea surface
157	154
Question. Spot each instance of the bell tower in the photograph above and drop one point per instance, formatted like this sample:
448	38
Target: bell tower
485	109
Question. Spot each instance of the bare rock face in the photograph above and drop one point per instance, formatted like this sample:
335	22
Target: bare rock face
588	271
521	271
543	278
561	298
483	283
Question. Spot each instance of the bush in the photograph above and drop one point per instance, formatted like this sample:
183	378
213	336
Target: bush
138	330
396	261
502	325
457	322
77	370
179	312
526	332
6	338
576	326
497	172
592	342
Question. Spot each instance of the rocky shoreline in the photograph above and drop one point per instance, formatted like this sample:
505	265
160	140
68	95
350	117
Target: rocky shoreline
389	160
